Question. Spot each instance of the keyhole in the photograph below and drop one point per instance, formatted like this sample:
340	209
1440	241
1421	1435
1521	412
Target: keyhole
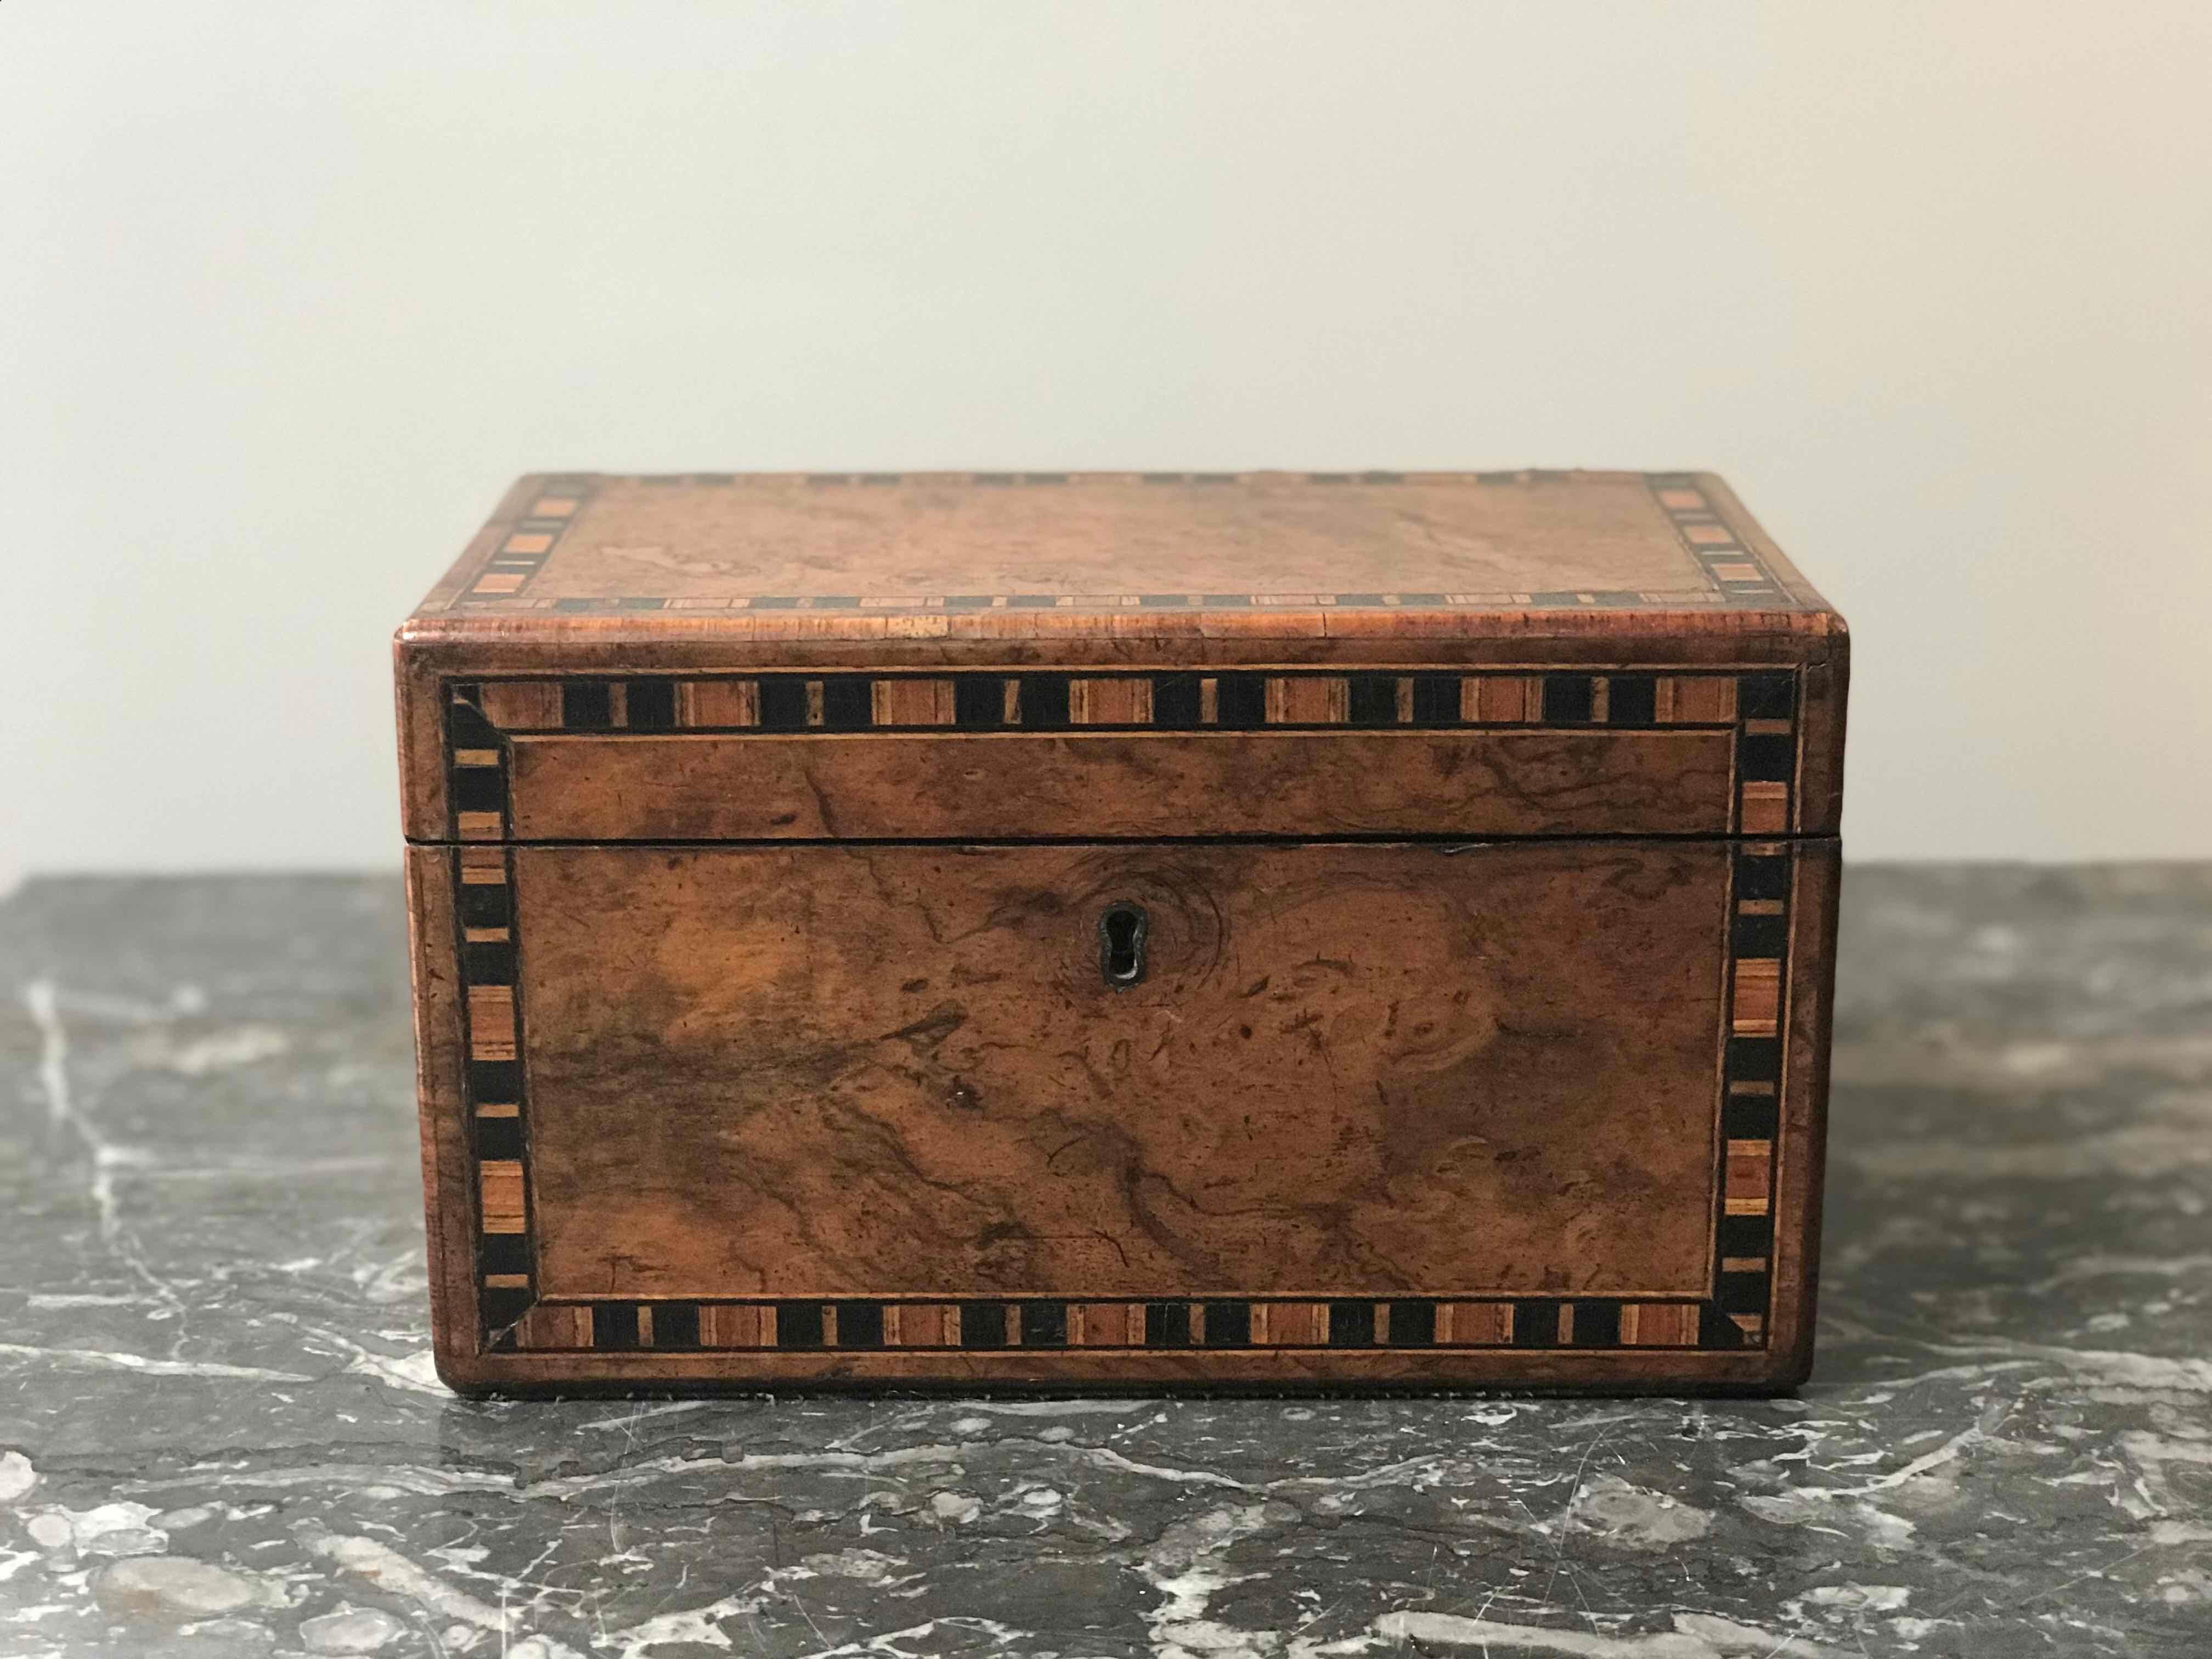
1121	930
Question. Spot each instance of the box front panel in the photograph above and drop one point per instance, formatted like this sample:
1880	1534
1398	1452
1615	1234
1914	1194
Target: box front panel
1324	1112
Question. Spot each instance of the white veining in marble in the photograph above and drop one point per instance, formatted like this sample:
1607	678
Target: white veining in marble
220	1435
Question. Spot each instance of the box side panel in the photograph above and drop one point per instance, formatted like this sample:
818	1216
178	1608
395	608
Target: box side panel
1826	678
420	699
1802	1165
440	1050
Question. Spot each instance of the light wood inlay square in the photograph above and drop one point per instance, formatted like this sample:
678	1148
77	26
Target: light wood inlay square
1322	700
1480	1323
491	1021
555	1325
736	1325
499	1195
718	702
1289	1324
1501	699
920	1325
1659	1325
913	702
1749	1176
1699	699
1109	702
1757	1009
522	705
1766	808
1105	1325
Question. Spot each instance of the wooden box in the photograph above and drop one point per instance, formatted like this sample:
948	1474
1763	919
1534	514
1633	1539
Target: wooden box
1270	930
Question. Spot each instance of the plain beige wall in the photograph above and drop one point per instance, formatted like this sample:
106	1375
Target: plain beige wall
288	292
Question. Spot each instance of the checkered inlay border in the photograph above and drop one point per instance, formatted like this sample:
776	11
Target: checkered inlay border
1762	888
493	1087
1760	706
1737	576
1035	1322
523	551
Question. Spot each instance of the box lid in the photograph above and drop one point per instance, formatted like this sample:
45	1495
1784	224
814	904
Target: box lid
1514	630
876	555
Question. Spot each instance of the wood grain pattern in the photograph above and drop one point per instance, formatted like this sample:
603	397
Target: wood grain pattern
733	788
1350	1071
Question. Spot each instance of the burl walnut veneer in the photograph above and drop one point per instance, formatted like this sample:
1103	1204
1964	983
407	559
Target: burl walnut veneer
983	929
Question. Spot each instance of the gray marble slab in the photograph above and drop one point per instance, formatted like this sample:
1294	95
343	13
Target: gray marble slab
220	1433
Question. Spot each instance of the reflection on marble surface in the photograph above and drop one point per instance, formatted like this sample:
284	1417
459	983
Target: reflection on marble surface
220	1433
